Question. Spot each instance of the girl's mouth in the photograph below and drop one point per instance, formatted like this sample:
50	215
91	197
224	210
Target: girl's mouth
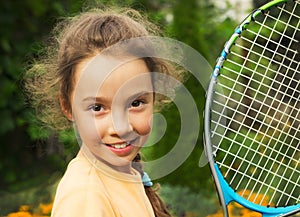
121	149
119	146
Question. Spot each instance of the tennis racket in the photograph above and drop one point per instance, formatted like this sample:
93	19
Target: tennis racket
252	113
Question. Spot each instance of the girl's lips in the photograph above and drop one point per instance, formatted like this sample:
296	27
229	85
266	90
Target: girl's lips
120	149
118	146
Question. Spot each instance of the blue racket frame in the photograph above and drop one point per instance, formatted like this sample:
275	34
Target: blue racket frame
230	195
225	192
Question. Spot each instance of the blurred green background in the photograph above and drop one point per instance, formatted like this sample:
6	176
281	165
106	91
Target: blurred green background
33	158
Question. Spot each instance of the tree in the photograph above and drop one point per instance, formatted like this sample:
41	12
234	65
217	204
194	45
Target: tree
28	152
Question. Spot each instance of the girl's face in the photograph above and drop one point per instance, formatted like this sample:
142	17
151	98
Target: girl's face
113	111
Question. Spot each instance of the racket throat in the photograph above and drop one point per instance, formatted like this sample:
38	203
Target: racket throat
228	195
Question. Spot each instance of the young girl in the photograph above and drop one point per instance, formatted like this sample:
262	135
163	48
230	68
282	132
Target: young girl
111	113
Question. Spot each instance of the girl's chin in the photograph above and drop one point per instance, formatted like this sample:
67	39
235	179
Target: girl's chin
118	156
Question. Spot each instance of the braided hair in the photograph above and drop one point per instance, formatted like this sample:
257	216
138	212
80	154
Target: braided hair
159	207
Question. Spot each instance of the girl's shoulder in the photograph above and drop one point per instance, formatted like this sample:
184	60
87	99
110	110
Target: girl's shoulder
79	173
78	184
80	194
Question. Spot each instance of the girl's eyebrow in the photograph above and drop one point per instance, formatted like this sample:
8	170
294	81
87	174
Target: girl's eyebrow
103	99
95	99
142	93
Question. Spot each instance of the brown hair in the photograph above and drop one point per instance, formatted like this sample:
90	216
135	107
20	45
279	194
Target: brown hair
77	39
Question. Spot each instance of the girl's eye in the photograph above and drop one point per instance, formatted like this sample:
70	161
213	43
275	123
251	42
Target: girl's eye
96	108
137	103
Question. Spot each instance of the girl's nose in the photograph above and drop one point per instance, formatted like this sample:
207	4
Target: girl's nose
120	125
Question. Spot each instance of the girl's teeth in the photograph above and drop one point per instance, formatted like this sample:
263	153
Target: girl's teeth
119	146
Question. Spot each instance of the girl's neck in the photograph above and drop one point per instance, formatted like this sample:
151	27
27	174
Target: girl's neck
126	168
123	169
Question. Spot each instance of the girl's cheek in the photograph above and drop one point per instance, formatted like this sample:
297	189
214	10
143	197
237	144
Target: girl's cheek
89	130
144	126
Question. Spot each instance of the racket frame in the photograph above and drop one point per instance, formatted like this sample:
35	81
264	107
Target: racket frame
225	192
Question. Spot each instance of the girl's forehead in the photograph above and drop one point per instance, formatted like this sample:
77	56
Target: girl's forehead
109	75
102	67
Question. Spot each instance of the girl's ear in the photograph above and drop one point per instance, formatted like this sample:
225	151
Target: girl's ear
65	109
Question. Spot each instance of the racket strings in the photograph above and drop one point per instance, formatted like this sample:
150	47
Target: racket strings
277	90
294	12
272	147
268	50
254	164
277	111
286	24
242	124
263	183
289	196
245	77
278	184
246	49
266	149
240	113
255	151
268	102
272	41
278	153
238	133
227	100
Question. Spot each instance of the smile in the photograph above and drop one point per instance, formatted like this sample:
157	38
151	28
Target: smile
119	146
121	149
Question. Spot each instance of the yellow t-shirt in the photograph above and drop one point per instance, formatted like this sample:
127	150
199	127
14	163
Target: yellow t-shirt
90	188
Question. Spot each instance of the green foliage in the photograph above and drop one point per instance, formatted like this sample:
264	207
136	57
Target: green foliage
34	195
23	150
194	177
183	202
30	152
194	23
190	23
199	24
